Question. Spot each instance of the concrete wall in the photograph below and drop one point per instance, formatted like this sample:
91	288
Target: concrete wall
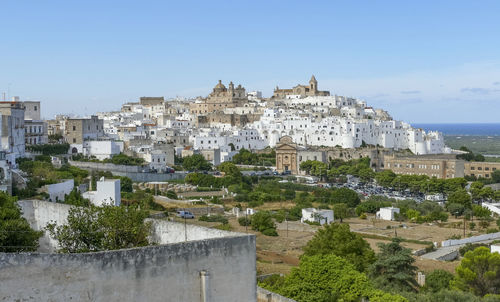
263	295
39	213
167	272
156	273
58	191
133	172
472	239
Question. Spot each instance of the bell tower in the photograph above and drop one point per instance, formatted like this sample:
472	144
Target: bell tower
313	84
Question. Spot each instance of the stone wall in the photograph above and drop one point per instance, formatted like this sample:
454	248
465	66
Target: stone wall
156	273
263	295
133	172
167	272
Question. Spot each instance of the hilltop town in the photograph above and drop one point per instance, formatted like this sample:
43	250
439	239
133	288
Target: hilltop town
219	197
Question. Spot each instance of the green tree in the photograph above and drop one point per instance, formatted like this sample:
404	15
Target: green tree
394	269
479	272
347	196
495	176
460	197
326	278
76	199
385	178
196	162
125	184
262	221
340	211
229	169
16	235
92	229
437	280
338	240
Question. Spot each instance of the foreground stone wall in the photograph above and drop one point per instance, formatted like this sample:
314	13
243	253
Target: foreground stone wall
157	273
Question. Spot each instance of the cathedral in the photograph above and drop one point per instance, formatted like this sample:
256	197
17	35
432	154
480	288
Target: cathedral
301	90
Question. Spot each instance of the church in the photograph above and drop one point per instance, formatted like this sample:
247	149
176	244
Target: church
300	90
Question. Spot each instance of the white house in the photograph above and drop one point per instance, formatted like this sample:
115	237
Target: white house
493	207
316	215
102	149
108	192
387	213
495	248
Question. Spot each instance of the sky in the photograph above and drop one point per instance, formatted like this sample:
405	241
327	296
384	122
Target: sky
423	61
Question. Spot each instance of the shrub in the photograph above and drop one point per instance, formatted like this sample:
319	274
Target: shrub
470	247
171	194
214	218
363	216
270	232
244	221
224	227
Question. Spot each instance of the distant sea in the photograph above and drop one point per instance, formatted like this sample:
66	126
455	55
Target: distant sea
478	129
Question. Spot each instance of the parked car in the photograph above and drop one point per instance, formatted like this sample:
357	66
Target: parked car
185	214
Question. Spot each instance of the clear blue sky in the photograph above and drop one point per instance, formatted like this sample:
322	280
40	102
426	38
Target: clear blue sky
423	61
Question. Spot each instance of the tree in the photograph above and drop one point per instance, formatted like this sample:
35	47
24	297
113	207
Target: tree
16	235
196	162
460	197
479	272
262	221
385	178
229	169
347	196
76	199
338	240
495	176
341	211
394	267
126	184
92	229
438	280
325	278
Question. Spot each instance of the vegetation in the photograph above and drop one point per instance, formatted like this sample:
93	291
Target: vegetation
214	218
324	278
196	162
478	272
118	159
262	221
16	235
437	280
394	270
50	149
92	229
338	240
245	157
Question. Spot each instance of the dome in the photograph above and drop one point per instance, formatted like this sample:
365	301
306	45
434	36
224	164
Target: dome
220	85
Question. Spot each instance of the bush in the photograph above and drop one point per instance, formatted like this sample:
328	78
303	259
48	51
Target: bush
214	218
270	232
470	247
223	227
171	194
363	216
244	221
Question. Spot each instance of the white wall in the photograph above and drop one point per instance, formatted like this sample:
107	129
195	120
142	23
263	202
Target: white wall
59	190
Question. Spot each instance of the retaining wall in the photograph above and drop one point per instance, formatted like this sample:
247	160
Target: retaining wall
156	273
263	295
472	239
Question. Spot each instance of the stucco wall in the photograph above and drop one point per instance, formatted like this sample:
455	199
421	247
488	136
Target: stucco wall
39	213
157	273
263	295
168	272
58	191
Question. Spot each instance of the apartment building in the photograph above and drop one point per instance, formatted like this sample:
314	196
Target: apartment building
12	130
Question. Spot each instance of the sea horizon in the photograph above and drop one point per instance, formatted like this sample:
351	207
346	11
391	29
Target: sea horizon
471	129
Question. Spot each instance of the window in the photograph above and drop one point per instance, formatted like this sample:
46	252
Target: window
74	128
36	108
74	140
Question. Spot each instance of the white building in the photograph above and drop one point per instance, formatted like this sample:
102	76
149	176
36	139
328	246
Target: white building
316	215
495	248
102	149
388	213
57	192
12	130
108	192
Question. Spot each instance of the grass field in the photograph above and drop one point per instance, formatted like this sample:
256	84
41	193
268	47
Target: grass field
477	144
